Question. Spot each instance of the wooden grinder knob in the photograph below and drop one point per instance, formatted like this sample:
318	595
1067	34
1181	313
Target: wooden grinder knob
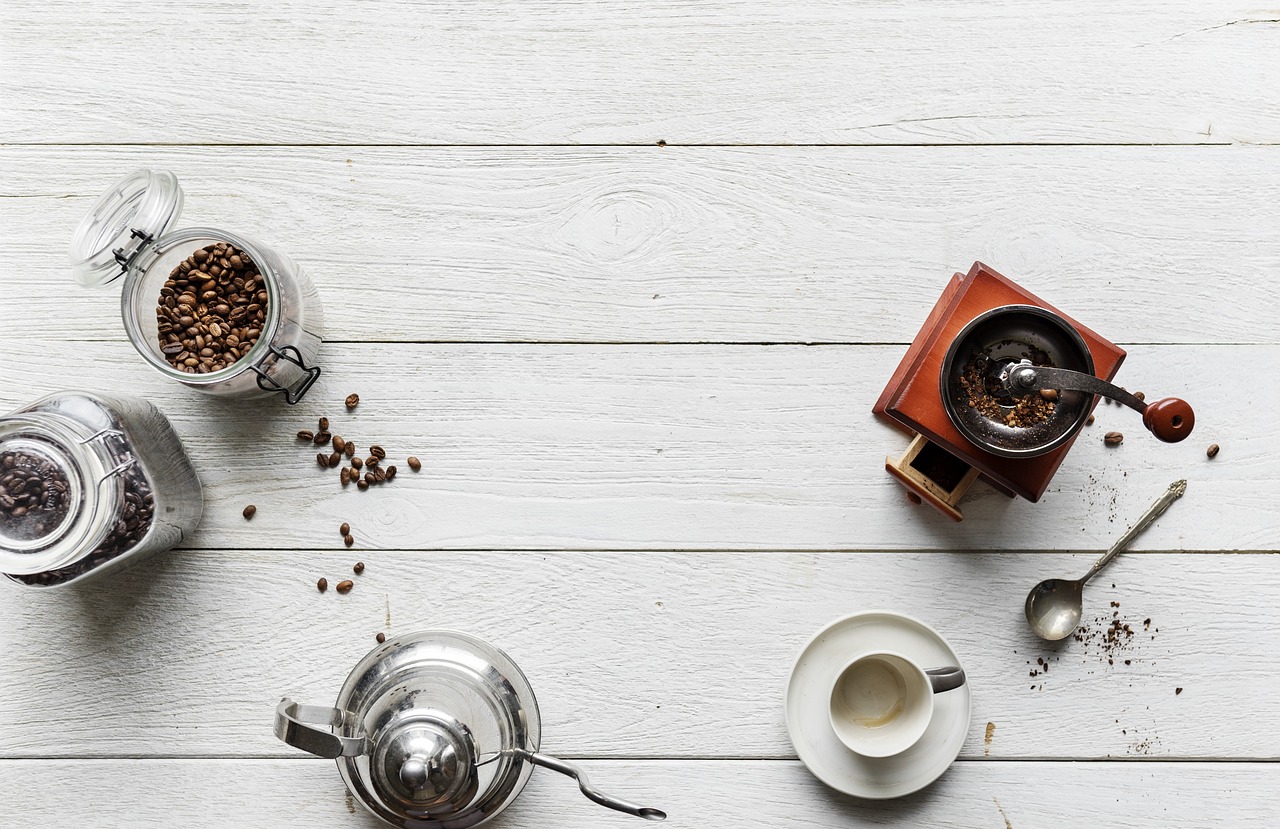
1169	419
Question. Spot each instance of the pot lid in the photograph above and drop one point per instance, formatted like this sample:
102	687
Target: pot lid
136	210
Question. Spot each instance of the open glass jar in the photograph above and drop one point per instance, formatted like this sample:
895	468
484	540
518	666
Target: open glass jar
129	232
88	485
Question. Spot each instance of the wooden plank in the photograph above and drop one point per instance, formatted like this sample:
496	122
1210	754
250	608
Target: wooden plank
675	447
640	655
295	71
678	244
707	795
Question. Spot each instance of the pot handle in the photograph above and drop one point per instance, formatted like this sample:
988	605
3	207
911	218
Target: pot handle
570	770
296	724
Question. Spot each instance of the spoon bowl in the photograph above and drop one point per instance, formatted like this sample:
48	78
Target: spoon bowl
1053	608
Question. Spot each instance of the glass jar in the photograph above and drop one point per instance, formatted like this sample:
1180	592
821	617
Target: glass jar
128	233
88	485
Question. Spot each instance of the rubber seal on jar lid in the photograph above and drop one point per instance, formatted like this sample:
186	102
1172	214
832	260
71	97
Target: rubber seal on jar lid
136	210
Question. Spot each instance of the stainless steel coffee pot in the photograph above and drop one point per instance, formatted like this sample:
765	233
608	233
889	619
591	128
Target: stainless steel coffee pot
431	729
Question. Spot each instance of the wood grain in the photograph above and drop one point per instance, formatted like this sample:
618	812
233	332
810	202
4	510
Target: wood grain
303	795
636	655
395	72
677	244
673	448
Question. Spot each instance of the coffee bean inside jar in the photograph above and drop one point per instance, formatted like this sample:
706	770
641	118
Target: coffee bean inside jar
211	309
34	495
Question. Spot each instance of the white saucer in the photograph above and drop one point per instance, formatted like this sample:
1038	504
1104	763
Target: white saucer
809	690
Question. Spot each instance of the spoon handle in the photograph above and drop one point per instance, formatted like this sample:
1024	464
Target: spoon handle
1173	493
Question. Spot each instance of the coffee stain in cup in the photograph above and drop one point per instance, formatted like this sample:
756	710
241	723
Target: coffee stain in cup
882	719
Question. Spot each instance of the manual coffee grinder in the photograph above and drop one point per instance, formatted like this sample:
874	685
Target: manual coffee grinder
997	385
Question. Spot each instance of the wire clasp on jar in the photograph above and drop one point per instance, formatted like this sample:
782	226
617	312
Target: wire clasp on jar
103	434
295	394
125	260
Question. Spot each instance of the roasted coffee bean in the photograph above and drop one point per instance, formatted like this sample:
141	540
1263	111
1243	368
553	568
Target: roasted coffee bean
1049	394
352	401
414	463
391	472
357	463
377	451
382	637
345	475
1139	395
322	585
362	485
1113	438
321	438
322	459
350	449
335	458
358	568
345	529
200	305
324	424
369	478
1089	420
379	475
371	461
249	512
339	445
1212	451
348	540
345	586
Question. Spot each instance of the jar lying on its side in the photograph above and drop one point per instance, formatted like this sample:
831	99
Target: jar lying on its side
213	310
90	484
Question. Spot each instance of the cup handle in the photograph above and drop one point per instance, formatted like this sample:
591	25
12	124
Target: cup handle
945	679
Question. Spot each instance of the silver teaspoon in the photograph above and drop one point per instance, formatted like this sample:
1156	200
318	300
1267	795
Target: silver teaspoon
1054	605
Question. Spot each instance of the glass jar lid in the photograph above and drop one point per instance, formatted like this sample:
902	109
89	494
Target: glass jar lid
54	495
135	211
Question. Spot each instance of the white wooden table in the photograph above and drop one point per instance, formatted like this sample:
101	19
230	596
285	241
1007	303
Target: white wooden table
629	277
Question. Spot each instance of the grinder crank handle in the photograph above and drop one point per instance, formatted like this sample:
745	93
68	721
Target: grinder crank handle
1170	419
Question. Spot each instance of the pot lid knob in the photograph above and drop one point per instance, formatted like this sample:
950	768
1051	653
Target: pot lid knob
426	765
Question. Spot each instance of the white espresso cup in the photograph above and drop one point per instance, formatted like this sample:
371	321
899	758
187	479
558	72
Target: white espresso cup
882	702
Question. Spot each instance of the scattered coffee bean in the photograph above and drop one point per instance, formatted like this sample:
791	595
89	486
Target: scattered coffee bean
348	540
324	424
358	567
1212	451
210	311
306	434
335	458
414	463
345	529
1113	438
1139	395
350	449
371	461
1089	420
377	451
391	472
369	478
382	637
345	586
322	585
345	475
380	475
249	511
322	438
357	463
362	485
339	444
322	459
1049	394
1177	691
352	401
